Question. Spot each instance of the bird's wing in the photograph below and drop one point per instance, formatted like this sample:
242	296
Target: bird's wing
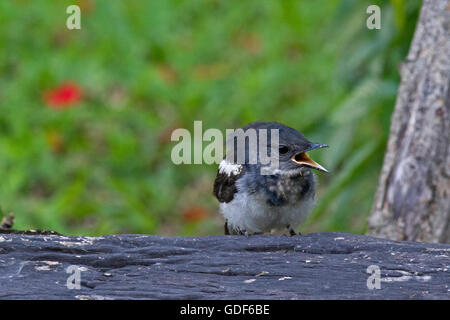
225	185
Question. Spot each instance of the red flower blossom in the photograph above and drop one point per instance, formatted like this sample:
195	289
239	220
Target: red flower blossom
194	214
63	96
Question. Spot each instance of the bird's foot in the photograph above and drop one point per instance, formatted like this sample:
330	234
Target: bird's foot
226	230
248	234
292	232
242	232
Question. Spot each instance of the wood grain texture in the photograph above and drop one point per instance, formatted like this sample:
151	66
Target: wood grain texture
315	266
413	197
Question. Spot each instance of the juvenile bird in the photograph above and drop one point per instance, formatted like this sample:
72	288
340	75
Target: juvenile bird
256	197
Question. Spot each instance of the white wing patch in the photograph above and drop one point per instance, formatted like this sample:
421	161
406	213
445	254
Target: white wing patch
229	168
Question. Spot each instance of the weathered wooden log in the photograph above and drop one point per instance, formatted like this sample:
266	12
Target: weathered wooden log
329	265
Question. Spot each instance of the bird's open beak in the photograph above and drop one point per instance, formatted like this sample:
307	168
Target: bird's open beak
303	158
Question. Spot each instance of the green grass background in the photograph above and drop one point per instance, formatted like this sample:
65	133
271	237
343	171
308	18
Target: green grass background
147	67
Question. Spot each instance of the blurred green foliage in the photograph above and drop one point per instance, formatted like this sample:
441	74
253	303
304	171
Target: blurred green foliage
146	67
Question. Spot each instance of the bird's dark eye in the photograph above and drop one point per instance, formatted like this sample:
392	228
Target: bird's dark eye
283	149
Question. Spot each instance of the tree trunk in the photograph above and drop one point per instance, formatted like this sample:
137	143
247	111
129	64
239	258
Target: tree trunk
413	197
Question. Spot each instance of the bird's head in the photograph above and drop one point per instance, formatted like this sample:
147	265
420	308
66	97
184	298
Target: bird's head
290	151
293	148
